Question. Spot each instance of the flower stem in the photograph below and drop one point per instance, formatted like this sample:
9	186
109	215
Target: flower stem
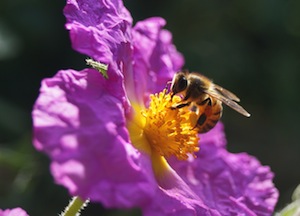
74	207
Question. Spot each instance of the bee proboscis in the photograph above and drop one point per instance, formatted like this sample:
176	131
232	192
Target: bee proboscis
204	97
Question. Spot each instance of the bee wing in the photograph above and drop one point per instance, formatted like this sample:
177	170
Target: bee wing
226	93
229	101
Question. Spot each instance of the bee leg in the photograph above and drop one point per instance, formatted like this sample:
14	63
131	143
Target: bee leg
207	101
178	106
201	120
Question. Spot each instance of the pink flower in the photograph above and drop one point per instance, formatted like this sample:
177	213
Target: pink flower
13	212
93	128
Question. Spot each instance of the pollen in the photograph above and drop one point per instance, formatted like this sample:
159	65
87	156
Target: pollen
165	131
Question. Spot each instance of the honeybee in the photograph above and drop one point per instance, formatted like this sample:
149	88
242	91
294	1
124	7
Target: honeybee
204	98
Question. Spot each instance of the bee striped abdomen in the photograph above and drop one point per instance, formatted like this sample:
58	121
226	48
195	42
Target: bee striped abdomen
209	116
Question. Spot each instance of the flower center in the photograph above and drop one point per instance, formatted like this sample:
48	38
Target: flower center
162	130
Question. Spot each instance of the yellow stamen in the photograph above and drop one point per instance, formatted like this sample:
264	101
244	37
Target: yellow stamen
163	131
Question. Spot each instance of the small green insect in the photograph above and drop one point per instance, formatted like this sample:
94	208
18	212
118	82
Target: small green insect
102	68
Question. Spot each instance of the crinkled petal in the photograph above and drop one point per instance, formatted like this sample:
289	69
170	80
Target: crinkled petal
80	124
101	29
175	197
155	56
233	184
13	212
98	28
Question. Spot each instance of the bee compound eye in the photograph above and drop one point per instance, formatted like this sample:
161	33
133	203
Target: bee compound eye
181	84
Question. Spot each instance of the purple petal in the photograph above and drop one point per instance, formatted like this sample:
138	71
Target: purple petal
13	212
101	30
230	183
79	122
175	197
155	56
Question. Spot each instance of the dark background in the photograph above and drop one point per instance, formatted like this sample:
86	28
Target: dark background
251	47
